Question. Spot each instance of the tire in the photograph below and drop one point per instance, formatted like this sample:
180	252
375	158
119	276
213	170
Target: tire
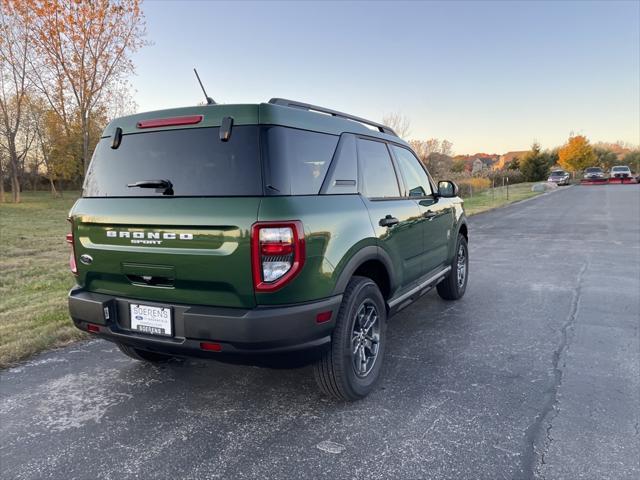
335	372
454	285
143	355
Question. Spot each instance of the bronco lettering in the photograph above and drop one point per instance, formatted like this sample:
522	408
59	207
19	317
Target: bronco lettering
149	235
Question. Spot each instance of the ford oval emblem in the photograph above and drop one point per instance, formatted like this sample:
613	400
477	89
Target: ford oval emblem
139	317
86	259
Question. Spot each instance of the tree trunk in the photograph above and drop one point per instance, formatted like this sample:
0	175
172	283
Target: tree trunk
13	163
15	186
85	142
1	183
54	192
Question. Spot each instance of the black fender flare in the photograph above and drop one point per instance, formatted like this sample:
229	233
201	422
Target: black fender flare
370	252
463	223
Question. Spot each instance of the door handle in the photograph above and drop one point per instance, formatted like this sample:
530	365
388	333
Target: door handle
430	215
388	221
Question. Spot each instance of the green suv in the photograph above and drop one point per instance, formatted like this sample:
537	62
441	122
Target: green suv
226	230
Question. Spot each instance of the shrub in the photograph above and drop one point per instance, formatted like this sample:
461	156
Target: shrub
471	185
535	165
500	176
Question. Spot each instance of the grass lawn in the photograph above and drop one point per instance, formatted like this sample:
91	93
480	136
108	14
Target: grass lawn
35	272
488	200
35	276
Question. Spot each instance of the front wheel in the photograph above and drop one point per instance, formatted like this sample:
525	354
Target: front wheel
455	283
349	369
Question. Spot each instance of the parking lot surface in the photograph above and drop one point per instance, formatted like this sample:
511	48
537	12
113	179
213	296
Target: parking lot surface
535	373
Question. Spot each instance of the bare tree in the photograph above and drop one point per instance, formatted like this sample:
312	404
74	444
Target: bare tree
38	114
399	123
14	52
446	148
432	146
121	101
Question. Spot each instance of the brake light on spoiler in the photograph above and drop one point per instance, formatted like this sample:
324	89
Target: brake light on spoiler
170	122
277	253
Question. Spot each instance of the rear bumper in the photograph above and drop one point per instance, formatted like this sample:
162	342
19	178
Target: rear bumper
238	331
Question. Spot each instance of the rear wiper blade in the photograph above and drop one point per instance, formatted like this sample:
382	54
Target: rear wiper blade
151	184
161	185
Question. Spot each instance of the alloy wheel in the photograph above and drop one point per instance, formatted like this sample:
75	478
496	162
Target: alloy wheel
365	338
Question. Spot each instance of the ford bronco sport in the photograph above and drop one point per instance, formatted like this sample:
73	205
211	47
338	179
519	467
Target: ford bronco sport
224	230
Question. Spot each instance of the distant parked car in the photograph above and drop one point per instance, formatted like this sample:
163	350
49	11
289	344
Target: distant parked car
559	177
621	171
593	173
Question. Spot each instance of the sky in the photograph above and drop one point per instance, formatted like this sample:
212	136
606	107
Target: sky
488	76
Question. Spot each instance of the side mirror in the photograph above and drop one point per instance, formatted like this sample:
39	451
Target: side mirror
447	189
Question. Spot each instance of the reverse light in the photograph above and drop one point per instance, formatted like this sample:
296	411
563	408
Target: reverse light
278	253
72	256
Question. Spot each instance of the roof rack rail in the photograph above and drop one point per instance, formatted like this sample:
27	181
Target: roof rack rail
314	108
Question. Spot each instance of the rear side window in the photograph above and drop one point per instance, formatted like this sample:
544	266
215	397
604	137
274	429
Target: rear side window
414	175
194	160
296	161
378	176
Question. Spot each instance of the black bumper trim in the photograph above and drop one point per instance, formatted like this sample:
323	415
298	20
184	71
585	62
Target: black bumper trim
251	331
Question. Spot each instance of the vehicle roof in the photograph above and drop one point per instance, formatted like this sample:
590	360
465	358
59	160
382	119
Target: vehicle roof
250	114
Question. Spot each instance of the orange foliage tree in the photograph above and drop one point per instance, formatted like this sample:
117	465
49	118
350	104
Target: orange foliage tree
577	154
84	49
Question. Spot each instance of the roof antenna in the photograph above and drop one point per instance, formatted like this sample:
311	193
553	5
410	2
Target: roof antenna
209	99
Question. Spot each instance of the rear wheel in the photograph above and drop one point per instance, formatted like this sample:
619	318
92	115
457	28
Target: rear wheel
349	369
455	284
143	355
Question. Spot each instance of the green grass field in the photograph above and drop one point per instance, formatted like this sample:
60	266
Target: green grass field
488	200
36	278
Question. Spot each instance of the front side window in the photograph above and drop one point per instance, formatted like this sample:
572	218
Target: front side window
414	175
378	176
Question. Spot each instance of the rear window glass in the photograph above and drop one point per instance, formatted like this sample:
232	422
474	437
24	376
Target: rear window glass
593	170
620	169
296	161
557	173
194	160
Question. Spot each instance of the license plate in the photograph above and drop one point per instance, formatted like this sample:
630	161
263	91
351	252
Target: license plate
153	320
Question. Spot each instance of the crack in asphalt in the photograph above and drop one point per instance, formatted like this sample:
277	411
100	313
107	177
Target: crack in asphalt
529	467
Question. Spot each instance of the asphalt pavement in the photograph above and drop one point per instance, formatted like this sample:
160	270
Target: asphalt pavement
535	373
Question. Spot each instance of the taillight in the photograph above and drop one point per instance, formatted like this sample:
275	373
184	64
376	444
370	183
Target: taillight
72	256
277	253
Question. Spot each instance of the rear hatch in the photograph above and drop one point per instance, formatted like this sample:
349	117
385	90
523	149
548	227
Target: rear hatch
181	235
